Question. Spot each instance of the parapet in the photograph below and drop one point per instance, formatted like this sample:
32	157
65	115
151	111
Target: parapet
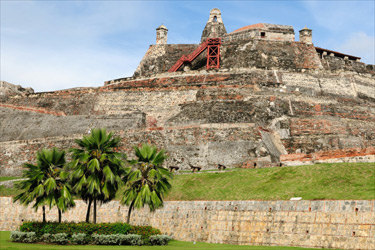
263	31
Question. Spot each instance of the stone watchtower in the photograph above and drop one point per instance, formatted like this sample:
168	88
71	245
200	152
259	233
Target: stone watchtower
305	35
214	26
161	34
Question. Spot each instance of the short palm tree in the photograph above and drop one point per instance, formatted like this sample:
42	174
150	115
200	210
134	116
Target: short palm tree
97	168
147	182
46	182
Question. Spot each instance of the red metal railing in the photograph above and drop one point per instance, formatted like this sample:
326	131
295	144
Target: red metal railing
213	55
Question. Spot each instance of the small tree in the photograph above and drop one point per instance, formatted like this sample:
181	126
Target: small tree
46	183
147	182
97	168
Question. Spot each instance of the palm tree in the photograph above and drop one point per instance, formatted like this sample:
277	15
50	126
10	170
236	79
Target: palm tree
147	182
46	183
97	168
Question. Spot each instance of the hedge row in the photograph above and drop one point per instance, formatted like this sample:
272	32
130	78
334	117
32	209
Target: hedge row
71	228
83	239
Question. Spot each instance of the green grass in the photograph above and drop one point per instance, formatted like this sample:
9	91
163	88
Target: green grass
338	181
5	244
321	181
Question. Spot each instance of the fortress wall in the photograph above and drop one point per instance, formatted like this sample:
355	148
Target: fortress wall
204	119
161	57
14	154
269	55
320	223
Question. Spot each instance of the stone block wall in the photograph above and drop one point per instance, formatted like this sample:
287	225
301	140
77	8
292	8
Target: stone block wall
231	118
319	223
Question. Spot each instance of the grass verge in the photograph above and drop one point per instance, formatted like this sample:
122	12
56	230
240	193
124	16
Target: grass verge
339	181
5	244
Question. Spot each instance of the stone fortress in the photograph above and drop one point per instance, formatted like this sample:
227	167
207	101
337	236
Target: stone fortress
269	101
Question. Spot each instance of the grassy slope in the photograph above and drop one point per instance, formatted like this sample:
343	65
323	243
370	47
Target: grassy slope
173	245
322	181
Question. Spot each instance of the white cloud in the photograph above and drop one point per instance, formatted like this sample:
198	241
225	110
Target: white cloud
360	43
53	70
58	45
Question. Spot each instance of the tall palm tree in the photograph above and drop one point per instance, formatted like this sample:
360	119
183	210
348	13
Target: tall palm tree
147	182
46	183
97	168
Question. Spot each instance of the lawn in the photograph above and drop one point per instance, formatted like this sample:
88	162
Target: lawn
321	181
173	245
340	181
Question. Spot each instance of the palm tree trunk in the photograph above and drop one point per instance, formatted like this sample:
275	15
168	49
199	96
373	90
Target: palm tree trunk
88	211
94	210
59	215
44	214
130	211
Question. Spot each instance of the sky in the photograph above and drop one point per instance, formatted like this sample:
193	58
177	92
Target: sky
53	45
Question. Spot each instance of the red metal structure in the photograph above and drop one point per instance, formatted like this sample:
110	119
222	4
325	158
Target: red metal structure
213	55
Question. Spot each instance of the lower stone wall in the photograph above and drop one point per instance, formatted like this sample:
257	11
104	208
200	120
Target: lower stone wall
320	223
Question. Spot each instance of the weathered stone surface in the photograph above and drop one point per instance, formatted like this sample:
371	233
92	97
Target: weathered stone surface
269	223
233	118
7	89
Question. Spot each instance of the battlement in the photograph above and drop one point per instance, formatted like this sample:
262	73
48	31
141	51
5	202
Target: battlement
261	45
263	31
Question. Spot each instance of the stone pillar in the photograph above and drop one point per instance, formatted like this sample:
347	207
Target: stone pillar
305	35
161	34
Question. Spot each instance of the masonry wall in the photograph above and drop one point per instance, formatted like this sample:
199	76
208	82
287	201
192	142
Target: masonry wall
233	118
324	224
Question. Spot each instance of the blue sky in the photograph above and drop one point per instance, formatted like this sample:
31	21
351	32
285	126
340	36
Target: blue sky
51	45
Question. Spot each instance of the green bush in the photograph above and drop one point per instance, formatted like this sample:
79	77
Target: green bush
24	237
60	238
144	231
47	238
160	239
131	239
80	239
74	228
100	239
117	239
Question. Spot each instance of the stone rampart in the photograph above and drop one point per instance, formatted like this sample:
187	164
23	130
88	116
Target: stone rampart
231	118
319	223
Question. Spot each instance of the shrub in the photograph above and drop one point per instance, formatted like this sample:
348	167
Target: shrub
71	228
47	238
24	237
144	231
100	239
117	239
80	238
131	239
60	238
160	239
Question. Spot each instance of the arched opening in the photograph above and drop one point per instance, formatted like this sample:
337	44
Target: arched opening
215	19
